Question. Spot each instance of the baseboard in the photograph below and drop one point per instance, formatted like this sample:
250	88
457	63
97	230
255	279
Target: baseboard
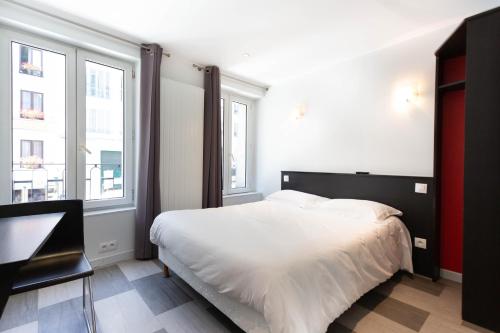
112	259
450	275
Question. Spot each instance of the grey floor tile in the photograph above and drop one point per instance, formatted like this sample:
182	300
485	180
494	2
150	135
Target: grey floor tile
20	309
160	294
185	287
126	313
336	327
402	313
62	317
26	328
190	318
420	283
224	320
109	281
137	269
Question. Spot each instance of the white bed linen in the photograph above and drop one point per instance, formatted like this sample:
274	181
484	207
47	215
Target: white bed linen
300	267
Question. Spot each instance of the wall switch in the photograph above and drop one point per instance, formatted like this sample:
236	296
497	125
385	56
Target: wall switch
421	243
420	188
286	178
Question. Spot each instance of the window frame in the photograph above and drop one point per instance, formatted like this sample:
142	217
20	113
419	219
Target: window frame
229	98
75	125
128	145
7	37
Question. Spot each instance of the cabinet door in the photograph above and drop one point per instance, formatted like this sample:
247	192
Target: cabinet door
481	287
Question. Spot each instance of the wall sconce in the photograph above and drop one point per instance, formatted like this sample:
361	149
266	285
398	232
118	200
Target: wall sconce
407	96
299	112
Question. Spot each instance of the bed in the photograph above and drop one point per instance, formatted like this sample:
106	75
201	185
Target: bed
289	264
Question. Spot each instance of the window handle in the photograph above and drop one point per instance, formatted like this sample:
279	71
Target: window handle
85	149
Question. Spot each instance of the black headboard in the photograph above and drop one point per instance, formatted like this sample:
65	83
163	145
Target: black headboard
419	211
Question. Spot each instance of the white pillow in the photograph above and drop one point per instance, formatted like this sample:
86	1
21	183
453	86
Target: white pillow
374	210
296	198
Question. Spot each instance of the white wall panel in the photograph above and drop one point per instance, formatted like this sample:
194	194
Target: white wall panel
181	145
351	121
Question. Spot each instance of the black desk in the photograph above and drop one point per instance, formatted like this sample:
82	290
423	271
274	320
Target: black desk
20	240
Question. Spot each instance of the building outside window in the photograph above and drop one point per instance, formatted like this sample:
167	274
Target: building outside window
30	61
31	105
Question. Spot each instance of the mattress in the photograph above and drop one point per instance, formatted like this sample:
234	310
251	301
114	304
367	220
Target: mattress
299	268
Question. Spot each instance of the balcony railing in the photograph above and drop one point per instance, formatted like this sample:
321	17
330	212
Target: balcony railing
47	181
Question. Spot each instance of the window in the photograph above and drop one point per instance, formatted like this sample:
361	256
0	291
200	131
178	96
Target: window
30	61
83	147
38	147
31	105
98	82
236	139
105	109
31	154
238	145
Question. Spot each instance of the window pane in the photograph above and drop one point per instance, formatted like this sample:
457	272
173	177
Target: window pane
30	60
38	140
31	105
104	132
238	145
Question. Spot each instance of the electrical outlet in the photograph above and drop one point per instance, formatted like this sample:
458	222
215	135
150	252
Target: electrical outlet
103	247
112	245
421	243
286	178
108	246
420	188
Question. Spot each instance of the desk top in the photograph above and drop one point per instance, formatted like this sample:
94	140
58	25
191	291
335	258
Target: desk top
22	237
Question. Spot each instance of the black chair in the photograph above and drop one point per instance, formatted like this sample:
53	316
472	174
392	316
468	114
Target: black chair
62	258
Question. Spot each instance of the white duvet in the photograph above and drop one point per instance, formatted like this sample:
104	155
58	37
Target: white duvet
300	267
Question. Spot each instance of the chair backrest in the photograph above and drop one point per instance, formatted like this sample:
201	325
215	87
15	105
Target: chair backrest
67	236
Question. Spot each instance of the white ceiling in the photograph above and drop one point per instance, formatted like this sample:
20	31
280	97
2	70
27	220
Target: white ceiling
283	37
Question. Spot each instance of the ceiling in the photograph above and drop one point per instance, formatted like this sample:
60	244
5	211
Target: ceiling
283	38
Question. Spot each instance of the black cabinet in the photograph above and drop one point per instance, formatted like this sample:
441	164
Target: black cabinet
478	40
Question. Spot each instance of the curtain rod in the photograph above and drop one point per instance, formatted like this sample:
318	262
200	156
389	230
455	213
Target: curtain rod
82	25
200	68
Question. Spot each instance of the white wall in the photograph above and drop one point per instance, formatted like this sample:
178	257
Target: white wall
351	122
102	227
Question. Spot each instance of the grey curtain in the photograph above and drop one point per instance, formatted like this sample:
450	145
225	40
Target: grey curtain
148	186
212	145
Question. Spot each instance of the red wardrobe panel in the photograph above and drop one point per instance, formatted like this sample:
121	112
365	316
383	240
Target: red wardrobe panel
453	70
452	179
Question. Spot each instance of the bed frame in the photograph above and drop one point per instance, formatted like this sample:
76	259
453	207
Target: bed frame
419	210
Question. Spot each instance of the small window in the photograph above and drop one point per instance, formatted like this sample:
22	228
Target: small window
30	61
239	145
31	154
236	144
98	83
104	132
31	105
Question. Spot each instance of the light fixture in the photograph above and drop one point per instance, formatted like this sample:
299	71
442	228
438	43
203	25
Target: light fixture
246	55
407	96
299	112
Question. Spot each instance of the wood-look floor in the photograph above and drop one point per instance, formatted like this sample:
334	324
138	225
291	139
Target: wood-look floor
133	297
